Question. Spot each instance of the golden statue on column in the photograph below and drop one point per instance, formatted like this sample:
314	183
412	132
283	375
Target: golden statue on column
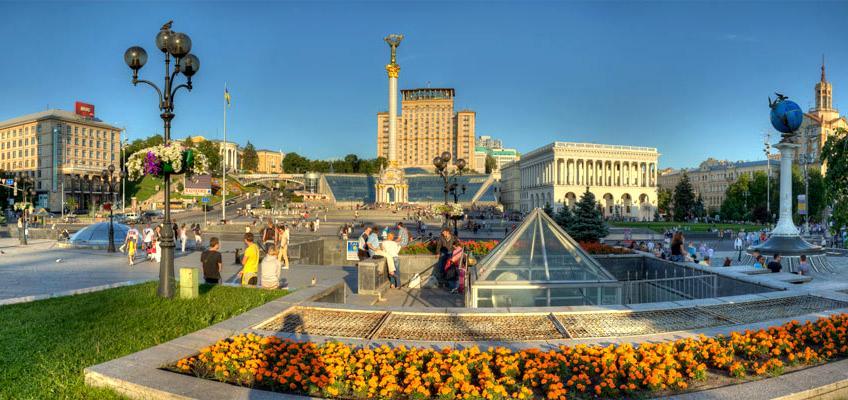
391	186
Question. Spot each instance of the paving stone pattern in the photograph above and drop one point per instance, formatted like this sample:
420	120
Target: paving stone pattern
522	327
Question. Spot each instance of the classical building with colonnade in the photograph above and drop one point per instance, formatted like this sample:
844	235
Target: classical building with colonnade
622	178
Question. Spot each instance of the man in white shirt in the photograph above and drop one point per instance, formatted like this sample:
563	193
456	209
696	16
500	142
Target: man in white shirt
148	236
391	250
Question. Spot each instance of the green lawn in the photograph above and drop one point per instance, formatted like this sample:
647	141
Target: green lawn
662	226
45	345
144	188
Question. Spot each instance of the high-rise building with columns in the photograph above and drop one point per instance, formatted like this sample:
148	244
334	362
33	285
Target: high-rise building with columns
428	126
622	178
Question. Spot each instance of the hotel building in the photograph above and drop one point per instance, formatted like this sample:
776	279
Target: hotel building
62	152
428	126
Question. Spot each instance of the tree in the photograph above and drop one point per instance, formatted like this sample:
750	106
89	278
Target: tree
213	153
735	206
835	156
71	204
139	144
491	164
683	200
698	209
294	163
816	202
249	158
548	209
564	217
587	224
664	201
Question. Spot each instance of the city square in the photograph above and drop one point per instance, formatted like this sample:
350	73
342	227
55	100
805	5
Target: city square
677	228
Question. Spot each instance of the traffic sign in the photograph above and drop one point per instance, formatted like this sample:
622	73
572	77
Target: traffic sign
204	200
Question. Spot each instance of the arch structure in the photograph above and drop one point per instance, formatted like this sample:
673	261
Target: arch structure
248	179
623	179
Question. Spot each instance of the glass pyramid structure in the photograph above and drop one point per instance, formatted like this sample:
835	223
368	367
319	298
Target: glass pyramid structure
539	264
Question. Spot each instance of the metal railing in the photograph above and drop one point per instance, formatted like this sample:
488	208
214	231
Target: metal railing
662	287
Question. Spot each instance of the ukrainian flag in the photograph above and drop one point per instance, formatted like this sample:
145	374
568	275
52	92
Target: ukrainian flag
227	95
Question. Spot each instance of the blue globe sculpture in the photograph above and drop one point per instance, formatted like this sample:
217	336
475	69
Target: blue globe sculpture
786	116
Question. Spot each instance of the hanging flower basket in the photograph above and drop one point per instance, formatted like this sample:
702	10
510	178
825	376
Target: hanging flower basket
164	160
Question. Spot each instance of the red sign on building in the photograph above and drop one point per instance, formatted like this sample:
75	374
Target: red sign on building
86	110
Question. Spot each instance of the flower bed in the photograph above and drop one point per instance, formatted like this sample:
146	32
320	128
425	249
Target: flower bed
478	248
336	370
600	248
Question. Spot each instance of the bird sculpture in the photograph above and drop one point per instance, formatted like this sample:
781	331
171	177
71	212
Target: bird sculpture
167	26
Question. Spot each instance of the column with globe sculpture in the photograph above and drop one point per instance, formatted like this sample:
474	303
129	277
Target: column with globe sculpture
174	45
786	117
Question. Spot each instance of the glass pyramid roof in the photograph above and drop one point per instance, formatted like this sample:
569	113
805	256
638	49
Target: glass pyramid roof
540	251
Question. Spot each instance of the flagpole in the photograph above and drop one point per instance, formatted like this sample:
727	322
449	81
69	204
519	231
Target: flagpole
224	165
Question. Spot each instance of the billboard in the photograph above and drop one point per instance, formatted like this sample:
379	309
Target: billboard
84	109
802	204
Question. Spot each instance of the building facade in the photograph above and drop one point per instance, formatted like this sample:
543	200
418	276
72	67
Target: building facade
428	126
270	162
820	122
489	142
711	179
501	157
622	178
65	154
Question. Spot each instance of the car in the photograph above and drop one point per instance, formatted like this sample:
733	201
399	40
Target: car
131	218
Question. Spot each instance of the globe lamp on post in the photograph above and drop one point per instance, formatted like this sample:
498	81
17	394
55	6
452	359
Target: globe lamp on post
176	45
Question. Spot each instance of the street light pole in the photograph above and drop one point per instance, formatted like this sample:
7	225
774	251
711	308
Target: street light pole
441	164
178	46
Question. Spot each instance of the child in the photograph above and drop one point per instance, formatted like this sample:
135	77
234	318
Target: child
151	250
269	270
452	267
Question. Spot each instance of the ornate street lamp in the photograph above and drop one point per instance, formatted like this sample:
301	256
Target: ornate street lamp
107	176
450	179
178	46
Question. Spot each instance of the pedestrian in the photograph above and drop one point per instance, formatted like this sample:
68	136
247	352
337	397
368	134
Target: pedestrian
148	237
130	244
444	248
269	271
758	262
269	235
211	261
391	250
727	261
283	252
402	235
774	264
803	266
363	244
198	239
183	236
706	261
677	247
249	262
452	266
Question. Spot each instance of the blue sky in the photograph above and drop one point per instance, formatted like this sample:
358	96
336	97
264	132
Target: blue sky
689	78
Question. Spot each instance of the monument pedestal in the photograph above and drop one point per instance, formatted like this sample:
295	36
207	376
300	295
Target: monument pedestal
392	187
785	239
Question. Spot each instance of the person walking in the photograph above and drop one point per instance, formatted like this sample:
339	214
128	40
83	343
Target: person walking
269	235
212	262
283	253
148	237
198	239
183	237
130	243
249	262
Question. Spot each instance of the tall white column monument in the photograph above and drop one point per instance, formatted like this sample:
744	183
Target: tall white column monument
785	239
391	186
